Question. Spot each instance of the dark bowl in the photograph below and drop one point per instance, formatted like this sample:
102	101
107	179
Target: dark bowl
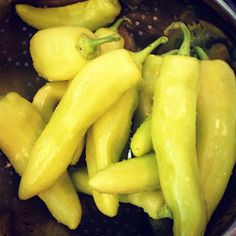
30	218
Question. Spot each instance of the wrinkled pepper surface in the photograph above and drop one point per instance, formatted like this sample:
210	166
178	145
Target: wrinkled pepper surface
20	126
173	130
216	117
151	68
91	14
60	53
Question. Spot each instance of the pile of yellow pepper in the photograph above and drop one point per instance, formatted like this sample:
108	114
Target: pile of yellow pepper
183	108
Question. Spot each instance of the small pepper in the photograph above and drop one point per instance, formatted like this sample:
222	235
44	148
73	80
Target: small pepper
152	202
216	117
141	142
20	126
173	131
60	53
110	134
91	14
128	176
103	32
77	111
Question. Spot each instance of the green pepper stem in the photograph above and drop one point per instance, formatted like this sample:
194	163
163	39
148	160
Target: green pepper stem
88	45
172	52
116	25
201	53
140	57
184	49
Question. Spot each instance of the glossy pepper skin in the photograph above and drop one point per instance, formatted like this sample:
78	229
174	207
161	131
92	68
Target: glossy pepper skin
152	202
141	142
91	14
216	139
20	126
103	32
46	100
151	68
128	176
110	134
77	111
59	53
173	131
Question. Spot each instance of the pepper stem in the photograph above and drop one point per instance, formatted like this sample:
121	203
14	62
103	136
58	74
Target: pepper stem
140	57
116	25
88	46
172	52
201	53
184	49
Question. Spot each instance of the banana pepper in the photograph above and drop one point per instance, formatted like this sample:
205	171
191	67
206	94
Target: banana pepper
216	117
91	14
110	134
60	53
77	111
111	131
152	202
173	131
128	176
20	126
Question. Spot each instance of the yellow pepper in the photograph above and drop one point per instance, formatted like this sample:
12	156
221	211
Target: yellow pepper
173	131
47	98
152	202
216	117
141	142
110	134
20	126
60	53
90	95
128	176
103	32
91	14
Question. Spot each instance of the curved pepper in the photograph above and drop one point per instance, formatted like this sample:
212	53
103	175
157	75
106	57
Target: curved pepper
152	202
216	117
91	14
47	98
20	126
103	32
110	134
128	176
173	131
60	53
77	111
